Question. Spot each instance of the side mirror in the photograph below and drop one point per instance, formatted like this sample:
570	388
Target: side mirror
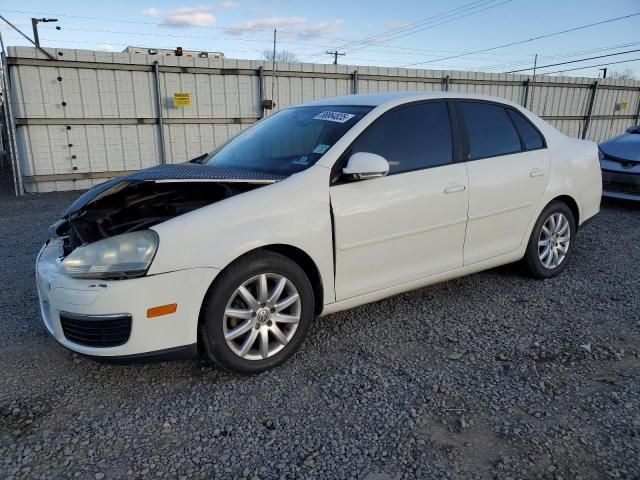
634	129
363	166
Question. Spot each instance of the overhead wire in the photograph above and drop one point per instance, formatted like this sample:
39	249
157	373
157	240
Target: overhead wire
413	28
558	56
80	42
233	28
411	25
404	31
437	24
520	42
457	10
265	40
574	61
592	66
203	37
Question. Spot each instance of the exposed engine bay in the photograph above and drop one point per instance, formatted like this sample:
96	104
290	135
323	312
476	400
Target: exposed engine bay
139	202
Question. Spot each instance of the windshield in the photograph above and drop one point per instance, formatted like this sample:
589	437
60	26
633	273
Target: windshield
289	141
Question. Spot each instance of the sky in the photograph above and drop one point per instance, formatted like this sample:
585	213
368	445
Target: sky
382	33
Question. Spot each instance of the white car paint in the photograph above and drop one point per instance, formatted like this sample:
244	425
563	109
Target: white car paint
387	230
504	193
392	234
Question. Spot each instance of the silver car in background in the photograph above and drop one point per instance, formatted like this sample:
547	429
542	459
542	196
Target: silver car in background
620	164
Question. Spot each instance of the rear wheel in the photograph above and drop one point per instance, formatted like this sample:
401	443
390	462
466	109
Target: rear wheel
551	242
257	313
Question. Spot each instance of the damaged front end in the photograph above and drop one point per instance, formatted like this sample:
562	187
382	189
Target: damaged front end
149	197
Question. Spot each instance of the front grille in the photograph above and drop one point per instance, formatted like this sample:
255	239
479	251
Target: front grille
96	331
621	187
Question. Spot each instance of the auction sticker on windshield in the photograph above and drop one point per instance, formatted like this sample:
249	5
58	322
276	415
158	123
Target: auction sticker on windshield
338	117
321	148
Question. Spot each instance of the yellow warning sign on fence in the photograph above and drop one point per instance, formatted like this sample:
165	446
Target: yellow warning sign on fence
181	99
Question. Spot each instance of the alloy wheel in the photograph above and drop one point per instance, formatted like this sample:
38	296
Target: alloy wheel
262	316
555	237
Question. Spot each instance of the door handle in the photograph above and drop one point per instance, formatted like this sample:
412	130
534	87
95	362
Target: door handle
536	172
454	188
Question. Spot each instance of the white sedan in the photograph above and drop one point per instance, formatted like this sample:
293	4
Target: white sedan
315	209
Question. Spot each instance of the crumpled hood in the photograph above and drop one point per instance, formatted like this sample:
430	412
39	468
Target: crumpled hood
182	172
624	147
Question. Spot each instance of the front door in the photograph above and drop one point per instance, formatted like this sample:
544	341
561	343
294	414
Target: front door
411	223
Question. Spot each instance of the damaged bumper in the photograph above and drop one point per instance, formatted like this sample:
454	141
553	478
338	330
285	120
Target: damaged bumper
110	318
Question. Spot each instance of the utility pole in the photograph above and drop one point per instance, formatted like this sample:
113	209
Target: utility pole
533	84
34	24
273	66
47	54
604	72
335	56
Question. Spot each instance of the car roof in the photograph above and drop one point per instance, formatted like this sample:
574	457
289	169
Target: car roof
397	98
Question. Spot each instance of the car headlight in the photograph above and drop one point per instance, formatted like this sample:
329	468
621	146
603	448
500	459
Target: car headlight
126	255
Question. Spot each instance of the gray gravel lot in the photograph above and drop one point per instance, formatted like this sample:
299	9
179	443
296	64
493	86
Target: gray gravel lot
490	376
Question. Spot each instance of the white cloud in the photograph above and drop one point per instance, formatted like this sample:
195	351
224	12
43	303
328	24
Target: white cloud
105	47
200	16
228	4
151	12
190	17
301	26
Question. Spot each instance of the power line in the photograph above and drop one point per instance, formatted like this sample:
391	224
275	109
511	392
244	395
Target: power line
298	34
412	28
141	22
440	23
576	61
171	47
231	28
559	56
412	51
395	62
414	24
593	66
511	44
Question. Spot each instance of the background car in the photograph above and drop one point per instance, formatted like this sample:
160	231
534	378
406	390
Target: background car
620	163
315	209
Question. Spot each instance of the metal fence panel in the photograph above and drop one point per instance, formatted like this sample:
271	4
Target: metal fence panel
92	115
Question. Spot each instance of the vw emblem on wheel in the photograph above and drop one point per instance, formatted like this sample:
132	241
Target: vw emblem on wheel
263	315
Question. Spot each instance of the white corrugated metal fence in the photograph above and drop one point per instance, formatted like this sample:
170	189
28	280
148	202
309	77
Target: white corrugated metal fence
89	116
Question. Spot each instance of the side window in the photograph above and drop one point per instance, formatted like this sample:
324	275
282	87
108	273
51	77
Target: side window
410	138
530	136
490	130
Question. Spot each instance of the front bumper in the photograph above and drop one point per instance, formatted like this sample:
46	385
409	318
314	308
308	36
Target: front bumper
100	299
621	184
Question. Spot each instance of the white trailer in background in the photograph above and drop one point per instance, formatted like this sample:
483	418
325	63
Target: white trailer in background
176	52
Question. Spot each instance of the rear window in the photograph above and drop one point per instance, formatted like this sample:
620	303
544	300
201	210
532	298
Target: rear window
490	130
529	134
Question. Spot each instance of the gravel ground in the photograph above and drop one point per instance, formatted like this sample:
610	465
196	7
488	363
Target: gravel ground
490	376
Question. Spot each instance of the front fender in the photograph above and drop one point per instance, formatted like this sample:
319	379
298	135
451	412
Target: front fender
294	211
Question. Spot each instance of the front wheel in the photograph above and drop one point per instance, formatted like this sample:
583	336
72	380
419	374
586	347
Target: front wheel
257	313
551	242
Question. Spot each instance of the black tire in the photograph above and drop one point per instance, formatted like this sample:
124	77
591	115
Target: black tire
531	261
212	343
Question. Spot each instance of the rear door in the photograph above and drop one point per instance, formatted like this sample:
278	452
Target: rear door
508	167
411	223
